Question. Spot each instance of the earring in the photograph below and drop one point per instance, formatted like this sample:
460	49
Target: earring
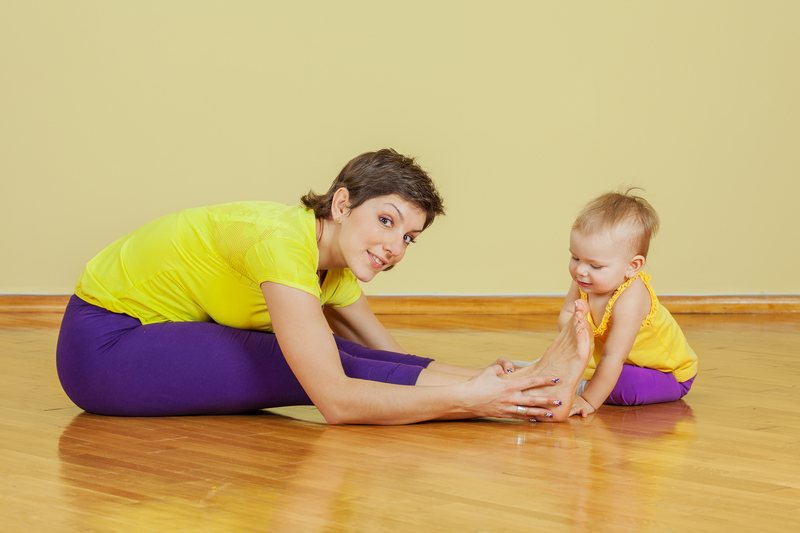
338	220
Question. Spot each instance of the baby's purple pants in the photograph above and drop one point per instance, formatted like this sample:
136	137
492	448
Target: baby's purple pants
640	386
111	364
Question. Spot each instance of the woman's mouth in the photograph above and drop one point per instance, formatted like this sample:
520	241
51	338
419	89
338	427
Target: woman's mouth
376	261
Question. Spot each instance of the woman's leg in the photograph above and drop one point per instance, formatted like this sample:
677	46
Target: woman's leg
640	386
111	364
565	359
356	350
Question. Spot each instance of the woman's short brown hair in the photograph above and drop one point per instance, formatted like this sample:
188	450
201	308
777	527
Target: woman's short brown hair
376	174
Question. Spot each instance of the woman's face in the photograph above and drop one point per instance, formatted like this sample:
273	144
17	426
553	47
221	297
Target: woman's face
374	236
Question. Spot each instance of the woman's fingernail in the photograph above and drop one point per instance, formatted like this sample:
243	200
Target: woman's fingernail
549	415
533	420
555	380
510	370
557	402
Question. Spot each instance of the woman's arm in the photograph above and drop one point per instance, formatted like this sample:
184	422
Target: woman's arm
311	352
630	310
357	323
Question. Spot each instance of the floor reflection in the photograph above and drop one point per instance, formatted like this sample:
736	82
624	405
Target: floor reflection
631	465
281	472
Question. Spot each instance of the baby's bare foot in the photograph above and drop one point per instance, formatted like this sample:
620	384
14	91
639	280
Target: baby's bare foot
565	359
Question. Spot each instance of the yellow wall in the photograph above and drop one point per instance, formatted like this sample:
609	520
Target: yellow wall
114	113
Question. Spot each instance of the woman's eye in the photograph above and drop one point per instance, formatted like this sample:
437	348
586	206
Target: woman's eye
408	239
386	221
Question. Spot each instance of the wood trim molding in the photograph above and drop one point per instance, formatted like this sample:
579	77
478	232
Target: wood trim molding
481	305
551	305
731	304
465	305
33	303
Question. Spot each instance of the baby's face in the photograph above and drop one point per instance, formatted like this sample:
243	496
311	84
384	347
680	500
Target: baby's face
599	262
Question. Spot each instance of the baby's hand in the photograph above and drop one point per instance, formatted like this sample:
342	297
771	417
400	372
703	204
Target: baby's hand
507	364
581	407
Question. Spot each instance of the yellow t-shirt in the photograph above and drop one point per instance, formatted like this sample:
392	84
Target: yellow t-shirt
660	344
208	263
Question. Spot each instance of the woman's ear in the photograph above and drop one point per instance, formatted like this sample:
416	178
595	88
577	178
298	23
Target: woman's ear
340	205
635	266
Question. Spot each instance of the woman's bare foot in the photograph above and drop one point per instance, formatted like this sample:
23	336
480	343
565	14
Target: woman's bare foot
566	359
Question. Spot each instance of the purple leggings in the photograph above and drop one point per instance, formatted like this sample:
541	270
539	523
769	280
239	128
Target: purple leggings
111	364
640	386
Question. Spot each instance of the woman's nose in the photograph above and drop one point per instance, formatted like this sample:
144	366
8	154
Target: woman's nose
394	248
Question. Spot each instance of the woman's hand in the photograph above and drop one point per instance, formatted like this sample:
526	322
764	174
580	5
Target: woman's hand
489	395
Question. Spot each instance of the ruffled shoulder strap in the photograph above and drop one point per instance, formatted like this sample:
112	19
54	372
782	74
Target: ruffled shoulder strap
653	297
603	326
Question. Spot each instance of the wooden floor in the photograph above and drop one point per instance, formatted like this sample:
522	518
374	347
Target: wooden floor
725	459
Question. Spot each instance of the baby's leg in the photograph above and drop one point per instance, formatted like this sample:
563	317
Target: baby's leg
640	386
565	359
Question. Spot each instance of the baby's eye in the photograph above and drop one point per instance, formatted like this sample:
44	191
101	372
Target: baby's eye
574	258
386	221
596	267
408	239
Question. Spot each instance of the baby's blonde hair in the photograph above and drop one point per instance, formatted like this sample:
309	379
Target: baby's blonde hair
620	210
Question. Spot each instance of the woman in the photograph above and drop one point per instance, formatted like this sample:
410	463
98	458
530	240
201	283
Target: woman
230	308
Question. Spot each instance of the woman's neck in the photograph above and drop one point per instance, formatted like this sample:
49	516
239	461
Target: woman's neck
327	232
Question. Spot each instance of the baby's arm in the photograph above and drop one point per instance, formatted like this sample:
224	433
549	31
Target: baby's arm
569	305
630	310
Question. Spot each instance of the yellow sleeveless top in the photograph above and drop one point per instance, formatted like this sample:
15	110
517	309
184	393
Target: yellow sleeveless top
660	344
208	263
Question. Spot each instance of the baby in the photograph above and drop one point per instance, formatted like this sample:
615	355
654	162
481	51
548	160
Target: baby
641	355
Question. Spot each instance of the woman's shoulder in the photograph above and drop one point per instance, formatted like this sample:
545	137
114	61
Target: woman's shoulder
258	220
253	209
